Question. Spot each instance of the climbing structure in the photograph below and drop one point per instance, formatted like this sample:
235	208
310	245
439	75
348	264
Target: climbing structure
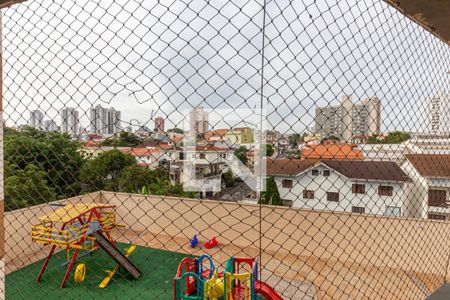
76	227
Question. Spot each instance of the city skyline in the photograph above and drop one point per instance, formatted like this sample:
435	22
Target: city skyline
358	106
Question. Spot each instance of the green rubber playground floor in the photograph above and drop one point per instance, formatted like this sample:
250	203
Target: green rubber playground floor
158	268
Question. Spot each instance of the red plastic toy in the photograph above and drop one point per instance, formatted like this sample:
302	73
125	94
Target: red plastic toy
212	243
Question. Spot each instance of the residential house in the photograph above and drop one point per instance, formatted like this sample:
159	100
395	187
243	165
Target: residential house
372	187
145	157
208	162
308	140
240	136
429	196
216	135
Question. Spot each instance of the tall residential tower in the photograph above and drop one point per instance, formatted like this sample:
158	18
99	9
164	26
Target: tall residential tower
347	119
105	120
70	121
437	113
36	119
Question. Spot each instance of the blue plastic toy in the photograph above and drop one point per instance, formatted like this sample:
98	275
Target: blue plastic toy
194	241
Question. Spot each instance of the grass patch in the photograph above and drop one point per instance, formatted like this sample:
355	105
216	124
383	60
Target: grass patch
158	268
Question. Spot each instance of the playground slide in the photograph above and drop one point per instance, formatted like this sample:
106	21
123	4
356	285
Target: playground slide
118	256
267	291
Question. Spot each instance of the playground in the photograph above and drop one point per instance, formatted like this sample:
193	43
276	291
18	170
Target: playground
156	280
80	245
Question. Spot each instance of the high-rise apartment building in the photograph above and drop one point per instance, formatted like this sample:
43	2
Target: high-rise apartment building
159	125
347	119
50	125
105	120
70	121
198	121
437	113
36	119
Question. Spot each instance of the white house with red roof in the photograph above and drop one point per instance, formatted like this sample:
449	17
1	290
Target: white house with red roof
429	196
373	187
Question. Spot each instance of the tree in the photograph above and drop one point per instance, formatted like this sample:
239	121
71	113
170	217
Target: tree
241	154
104	171
25	187
228	178
53	153
294	140
394	137
332	138
176	130
267	150
271	196
125	139
134	178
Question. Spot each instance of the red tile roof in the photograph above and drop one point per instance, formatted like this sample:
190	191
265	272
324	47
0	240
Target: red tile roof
331	151
212	148
139	151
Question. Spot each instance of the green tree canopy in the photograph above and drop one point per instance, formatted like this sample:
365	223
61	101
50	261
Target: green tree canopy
241	154
228	178
176	130
25	187
104	171
53	153
294	140
124	139
268	150
394	137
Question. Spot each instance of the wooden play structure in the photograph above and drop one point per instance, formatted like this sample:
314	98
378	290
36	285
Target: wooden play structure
76	227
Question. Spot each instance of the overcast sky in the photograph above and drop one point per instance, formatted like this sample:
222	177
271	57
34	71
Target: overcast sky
150	58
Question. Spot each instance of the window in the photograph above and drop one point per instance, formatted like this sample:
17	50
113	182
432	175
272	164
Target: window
286	202
358	209
333	196
358	188
393	211
326	173
315	172
287	183
385	190
437	197
308	194
202	156
432	216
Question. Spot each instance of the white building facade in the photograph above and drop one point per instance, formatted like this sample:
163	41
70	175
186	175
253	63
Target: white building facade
336	186
429	196
437	113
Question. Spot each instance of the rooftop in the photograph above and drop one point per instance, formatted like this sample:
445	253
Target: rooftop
331	151
431	165
354	169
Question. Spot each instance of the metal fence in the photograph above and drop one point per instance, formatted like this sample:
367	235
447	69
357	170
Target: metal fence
301	149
